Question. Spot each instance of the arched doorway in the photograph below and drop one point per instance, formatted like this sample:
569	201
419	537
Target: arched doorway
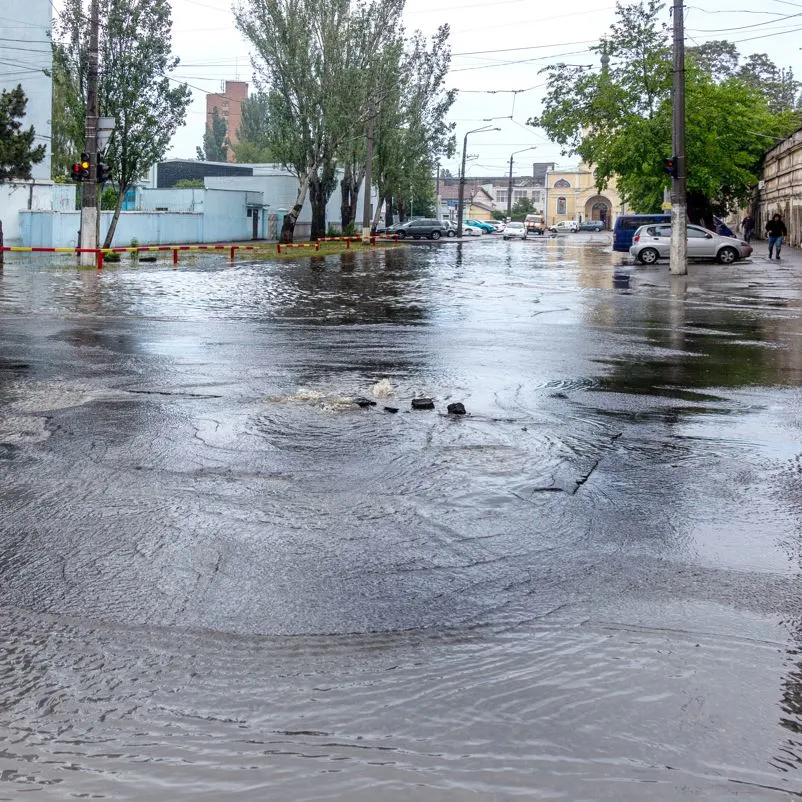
599	208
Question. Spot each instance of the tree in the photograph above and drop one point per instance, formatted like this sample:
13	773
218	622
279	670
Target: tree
718	58
252	144
618	119
313	59
134	87
411	123
777	85
521	208
17	151
215	142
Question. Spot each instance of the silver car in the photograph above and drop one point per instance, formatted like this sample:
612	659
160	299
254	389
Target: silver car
653	242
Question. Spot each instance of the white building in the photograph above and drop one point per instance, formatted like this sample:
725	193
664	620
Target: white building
26	59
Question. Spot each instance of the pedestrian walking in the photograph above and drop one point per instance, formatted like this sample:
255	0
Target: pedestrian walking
776	230
748	226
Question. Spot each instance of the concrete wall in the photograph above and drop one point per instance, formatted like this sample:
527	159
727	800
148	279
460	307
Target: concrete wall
782	188
19	195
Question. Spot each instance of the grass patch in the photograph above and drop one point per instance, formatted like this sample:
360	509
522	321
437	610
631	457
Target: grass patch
326	249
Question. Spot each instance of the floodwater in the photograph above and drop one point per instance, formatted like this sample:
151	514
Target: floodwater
221	580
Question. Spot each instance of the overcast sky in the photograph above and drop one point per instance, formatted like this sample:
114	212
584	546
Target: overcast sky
515	38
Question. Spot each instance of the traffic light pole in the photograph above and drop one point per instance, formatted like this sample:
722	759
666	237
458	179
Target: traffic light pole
679	206
89	202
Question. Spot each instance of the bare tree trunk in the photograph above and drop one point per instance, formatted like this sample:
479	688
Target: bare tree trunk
113	227
291	218
402	211
346	206
318	203
388	213
2	253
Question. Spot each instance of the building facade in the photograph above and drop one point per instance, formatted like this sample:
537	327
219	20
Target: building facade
229	106
26	56
780	189
571	194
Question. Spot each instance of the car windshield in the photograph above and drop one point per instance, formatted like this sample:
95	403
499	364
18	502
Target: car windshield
515	225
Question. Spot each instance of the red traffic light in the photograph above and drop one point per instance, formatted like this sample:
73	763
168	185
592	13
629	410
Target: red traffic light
671	166
77	172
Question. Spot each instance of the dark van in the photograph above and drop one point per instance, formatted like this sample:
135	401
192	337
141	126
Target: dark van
627	224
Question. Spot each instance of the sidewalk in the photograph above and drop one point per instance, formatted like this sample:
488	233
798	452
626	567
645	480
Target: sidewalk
788	255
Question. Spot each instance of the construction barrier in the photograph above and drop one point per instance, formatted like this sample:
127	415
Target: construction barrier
287	245
175	249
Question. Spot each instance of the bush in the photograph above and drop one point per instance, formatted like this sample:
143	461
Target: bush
350	230
333	231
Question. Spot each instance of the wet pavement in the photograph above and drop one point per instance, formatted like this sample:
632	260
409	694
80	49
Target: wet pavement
221	579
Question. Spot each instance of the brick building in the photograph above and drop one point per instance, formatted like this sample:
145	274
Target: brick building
229	106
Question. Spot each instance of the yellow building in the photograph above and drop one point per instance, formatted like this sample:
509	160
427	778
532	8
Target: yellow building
571	194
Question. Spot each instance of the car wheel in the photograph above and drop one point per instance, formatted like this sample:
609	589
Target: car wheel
451	233
726	256
648	256
435	235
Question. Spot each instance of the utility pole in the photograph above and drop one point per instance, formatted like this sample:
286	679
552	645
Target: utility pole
437	193
509	184
678	264
461	201
366	204
89	199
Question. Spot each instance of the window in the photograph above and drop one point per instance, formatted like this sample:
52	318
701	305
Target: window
519	194
696	233
562	206
501	196
562	184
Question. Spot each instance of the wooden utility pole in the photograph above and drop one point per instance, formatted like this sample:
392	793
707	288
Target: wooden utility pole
679	204
367	217
89	201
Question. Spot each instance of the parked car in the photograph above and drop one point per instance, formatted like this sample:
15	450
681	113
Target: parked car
535	224
391	229
565	226
488	228
627	224
499	226
472	231
651	243
515	231
591	225
427	227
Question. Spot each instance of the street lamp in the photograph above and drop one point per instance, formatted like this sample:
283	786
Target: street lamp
509	185
461	201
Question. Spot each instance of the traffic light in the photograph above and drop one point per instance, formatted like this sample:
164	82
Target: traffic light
76	172
671	166
84	167
102	173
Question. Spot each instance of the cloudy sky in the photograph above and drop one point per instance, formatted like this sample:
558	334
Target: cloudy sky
498	47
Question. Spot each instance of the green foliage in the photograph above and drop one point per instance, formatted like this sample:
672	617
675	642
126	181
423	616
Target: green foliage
215	141
109	199
618	119
496	215
17	151
189	183
328	68
349	230
521	208
135	87
335	232
253	145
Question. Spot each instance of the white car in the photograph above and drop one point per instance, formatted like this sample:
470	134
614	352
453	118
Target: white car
653	242
565	227
471	231
515	231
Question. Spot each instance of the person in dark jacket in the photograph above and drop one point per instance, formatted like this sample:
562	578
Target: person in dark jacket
748	226
776	230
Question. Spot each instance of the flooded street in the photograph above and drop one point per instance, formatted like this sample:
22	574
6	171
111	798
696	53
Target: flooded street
220	579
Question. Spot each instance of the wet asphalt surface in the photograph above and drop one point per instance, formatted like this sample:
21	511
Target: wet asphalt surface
221	579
